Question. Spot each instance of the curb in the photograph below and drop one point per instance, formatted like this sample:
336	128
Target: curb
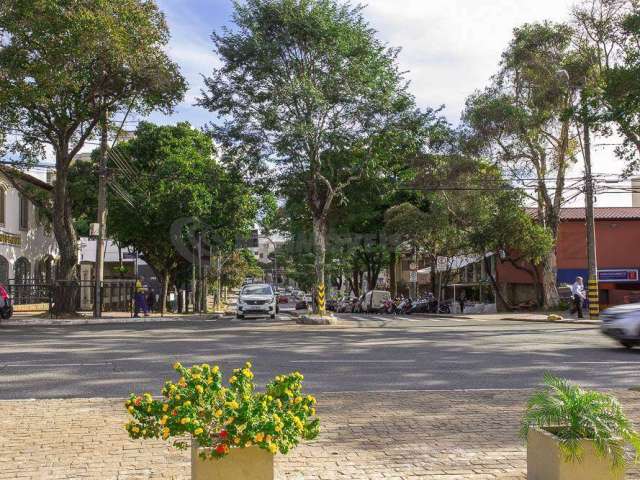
566	322
107	321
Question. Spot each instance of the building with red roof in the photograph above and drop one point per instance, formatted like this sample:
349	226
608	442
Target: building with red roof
617	252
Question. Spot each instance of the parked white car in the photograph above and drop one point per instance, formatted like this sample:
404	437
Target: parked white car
256	299
622	323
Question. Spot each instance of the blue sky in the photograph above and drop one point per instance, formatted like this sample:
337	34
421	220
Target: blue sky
449	49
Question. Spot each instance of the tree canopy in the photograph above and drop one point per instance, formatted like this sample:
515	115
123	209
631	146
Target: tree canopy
63	65
306	87
174	175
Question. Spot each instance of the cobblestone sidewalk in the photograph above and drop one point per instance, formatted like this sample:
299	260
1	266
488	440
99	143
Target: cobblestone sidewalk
400	435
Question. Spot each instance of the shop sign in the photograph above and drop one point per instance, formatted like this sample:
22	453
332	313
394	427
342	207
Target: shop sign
10	239
618	275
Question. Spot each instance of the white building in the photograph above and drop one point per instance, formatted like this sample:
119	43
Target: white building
264	245
28	249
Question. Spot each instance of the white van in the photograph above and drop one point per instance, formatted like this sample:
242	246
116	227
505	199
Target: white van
374	300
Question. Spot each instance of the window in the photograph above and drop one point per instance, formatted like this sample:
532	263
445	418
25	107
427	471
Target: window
257	290
45	270
3	194
22	270
24	213
4	270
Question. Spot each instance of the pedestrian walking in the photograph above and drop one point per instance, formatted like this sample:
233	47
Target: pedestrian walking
151	300
461	300
140	300
578	294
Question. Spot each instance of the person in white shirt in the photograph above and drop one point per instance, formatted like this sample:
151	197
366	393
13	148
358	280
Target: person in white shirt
578	294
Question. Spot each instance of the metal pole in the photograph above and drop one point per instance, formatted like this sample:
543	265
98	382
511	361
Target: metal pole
415	282
102	217
219	279
200	275
193	281
275	263
592	263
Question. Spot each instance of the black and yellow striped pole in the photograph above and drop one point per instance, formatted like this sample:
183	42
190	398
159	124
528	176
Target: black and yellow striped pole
594	297
321	299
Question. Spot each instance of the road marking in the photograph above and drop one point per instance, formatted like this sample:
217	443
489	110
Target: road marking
613	362
352	361
45	365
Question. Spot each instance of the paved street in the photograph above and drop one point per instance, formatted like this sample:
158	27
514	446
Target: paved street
405	398
363	353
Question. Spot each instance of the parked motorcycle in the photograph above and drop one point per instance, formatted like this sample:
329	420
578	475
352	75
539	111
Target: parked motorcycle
429	304
404	307
389	306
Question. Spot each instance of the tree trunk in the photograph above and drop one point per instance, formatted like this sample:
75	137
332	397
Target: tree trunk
550	296
494	282
66	291
163	296
319	249
537	282
180	303
393	286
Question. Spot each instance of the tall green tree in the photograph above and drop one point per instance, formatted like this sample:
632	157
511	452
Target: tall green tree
523	122
305	86
63	65
609	30
492	216
177	176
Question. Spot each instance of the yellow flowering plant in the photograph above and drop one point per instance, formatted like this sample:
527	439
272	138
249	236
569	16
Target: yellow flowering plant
220	418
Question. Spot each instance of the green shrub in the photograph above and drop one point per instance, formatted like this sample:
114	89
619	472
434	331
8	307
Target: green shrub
222	418
573	414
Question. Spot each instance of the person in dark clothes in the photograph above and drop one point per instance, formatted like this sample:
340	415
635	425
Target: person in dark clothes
140	301
461	299
151	300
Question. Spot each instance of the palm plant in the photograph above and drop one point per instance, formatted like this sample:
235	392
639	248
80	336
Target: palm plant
574	414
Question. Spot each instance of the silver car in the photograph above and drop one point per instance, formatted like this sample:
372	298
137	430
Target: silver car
256	299
622	323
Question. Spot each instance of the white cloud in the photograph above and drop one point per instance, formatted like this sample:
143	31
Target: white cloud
452	47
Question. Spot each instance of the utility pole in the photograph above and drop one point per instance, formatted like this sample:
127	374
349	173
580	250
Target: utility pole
592	263
102	216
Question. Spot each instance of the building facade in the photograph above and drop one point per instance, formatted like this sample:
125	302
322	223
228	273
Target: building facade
618	256
28	249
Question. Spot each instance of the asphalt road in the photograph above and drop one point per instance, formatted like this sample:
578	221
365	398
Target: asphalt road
364	353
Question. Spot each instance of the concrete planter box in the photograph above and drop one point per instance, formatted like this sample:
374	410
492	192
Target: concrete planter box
252	463
545	460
